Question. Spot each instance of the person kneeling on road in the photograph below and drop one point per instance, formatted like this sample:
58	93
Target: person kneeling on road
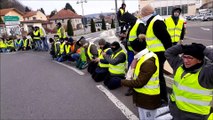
103	65
117	66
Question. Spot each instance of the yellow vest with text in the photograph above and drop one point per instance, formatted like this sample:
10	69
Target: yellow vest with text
133	33
152	87
153	43
100	56
174	30
189	95
119	68
59	33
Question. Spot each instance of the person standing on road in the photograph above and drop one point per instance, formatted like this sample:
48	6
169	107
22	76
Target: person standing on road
175	26
136	27
121	23
193	81
144	79
37	38
44	39
117	66
157	40
60	31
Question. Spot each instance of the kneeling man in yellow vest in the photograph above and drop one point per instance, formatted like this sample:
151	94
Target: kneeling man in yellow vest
193	82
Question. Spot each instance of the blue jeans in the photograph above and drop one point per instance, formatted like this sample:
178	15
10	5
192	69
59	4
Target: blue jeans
75	56
130	57
45	44
38	45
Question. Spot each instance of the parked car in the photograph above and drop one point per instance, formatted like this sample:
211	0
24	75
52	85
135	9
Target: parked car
197	17
208	17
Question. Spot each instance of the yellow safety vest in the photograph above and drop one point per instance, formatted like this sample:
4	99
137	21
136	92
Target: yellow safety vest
152	87
119	68
100	56
35	35
67	49
59	33
153	43
133	34
2	44
88	51
174	30
25	42
61	46
10	43
189	95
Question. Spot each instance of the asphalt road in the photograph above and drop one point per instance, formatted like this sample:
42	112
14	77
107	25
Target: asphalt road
35	87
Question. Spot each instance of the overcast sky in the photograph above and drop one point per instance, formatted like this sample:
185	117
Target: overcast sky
92	6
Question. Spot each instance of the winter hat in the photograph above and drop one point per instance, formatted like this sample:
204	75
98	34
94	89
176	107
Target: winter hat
177	9
139	44
116	44
195	50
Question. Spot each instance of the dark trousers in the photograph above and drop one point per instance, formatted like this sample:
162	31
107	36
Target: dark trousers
113	82
163	88
99	74
91	67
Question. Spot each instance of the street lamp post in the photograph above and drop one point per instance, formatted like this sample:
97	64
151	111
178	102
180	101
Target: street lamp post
82	9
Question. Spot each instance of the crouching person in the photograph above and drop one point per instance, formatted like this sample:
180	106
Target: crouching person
117	66
144	79
103	65
53	49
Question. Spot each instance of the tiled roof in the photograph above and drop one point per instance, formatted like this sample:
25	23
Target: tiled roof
5	11
35	21
65	14
29	14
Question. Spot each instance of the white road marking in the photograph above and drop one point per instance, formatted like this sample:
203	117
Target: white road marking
69	67
129	114
191	38
10	53
207	29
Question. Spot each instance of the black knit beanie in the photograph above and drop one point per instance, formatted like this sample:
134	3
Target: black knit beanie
138	45
195	50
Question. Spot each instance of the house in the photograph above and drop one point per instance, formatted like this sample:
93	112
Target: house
63	16
11	21
34	18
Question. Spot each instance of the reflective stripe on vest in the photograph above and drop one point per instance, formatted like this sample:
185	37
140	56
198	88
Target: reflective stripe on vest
174	30
153	43
59	33
119	68
189	95
25	42
61	48
88	51
133	33
100	56
3	44
67	49
36	36
152	87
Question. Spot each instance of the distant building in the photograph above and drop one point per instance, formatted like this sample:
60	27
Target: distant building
63	16
34	18
165	7
11	12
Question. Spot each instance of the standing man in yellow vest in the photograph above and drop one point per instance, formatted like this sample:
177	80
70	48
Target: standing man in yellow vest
143	77
60	31
157	40
117	66
37	38
193	82
121	23
175	26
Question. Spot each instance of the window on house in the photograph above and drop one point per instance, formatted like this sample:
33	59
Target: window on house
170	8
55	21
164	10
34	18
62	20
158	11
184	9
